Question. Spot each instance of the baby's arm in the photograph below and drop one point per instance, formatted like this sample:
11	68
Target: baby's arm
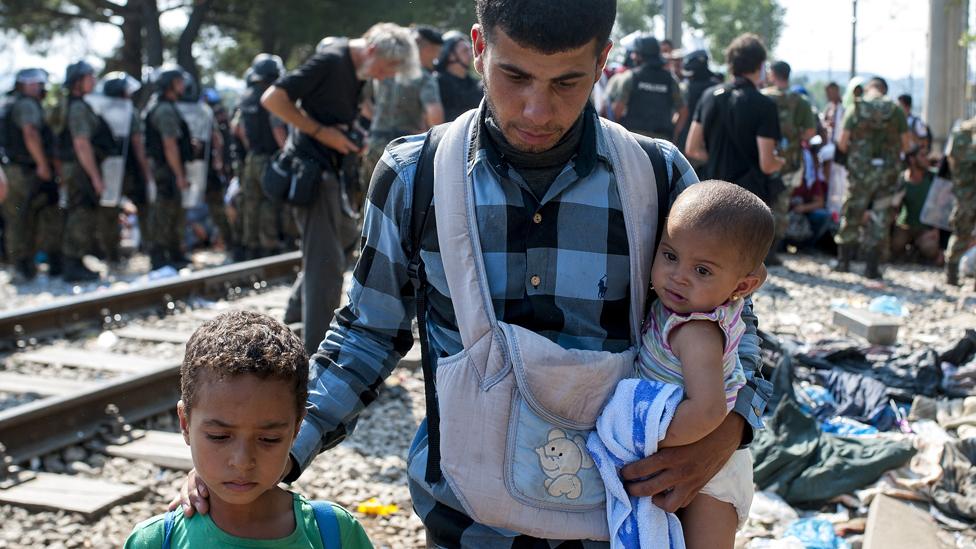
698	344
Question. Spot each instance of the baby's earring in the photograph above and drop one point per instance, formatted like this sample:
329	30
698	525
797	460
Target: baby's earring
735	297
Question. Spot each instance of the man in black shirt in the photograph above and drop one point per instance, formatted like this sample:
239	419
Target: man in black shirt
735	128
320	100
460	92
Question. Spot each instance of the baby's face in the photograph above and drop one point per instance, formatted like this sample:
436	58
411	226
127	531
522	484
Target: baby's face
695	271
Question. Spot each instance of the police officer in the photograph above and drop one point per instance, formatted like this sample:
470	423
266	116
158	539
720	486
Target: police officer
700	78
168	144
262	134
460	92
31	215
137	179
874	134
961	151
647	99
83	142
797	123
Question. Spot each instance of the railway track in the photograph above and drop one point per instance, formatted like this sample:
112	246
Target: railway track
69	387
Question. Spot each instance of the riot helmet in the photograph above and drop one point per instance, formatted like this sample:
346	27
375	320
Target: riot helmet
165	76
696	62
191	89
31	76
451	39
118	84
265	67
76	71
649	49
211	96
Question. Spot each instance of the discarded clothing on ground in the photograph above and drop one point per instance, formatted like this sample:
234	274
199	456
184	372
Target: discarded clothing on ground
956	414
794	459
858	397
955	493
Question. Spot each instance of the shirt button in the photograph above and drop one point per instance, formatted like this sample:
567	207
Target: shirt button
537	218
535	280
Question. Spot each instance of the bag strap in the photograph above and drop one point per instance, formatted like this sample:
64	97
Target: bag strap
168	521
328	523
659	165
423	195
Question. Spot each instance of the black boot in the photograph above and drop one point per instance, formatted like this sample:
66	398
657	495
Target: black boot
952	273
871	265
75	271
178	260
157	259
25	270
845	252
55	264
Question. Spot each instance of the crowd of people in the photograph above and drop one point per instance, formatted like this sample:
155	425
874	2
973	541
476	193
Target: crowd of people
854	176
183	170
548	256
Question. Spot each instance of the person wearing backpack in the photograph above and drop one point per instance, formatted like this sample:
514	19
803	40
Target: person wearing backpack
797	124
528	276
874	135
242	398
32	217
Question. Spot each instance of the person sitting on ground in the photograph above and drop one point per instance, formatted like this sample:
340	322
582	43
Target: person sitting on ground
809	219
911	239
243	394
709	260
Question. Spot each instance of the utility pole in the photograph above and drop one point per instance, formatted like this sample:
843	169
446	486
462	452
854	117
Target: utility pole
672	21
945	79
854	40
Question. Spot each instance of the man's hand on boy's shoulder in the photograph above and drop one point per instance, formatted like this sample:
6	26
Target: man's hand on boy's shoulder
680	472
194	496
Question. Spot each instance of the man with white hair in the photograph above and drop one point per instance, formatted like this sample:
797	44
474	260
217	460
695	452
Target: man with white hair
327	88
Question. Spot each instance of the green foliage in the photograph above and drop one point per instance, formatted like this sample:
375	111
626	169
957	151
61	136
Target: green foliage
633	15
723	20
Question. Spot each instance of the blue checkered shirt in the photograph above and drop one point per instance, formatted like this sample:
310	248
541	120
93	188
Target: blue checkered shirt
557	264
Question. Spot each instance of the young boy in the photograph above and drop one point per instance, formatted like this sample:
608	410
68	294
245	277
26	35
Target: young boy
243	393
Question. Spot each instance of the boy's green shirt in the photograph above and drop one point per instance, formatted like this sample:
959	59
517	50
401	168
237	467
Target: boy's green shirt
200	531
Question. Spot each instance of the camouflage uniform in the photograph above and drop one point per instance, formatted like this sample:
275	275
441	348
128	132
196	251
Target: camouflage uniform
261	217
82	201
167	218
33	219
398	110
795	117
875	126
962	153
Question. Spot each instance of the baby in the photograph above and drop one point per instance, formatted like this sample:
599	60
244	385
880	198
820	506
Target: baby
709	259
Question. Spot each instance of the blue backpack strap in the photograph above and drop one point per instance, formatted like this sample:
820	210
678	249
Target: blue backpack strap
168	521
325	517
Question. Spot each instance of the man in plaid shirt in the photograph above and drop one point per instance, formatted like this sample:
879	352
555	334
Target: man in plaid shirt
555	250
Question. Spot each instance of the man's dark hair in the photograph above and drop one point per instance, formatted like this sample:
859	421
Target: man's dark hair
745	54
243	342
722	208
547	26
834	85
878	83
905	99
781	69
667	42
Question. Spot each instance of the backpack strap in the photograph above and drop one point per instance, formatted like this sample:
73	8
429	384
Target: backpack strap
328	523
423	195
659	164
169	519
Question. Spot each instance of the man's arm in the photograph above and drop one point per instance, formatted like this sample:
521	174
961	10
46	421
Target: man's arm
86	157
139	148
769	161
3	185
695	143
171	150
32	139
277	101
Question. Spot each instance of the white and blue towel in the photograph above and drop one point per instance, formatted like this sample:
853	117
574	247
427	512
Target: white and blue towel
629	429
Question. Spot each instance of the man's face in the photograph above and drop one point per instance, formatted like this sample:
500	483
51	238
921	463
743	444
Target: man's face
178	86
535	97
87	84
462	53
833	94
428	53
378	68
31	89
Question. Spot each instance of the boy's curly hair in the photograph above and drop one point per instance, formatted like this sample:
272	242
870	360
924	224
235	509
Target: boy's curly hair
243	342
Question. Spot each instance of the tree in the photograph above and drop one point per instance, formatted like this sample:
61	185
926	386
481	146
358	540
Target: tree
634	15
723	20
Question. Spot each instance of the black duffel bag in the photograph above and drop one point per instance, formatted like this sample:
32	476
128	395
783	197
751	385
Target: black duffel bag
291	178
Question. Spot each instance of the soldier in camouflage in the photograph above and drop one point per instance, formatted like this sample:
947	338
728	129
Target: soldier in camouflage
84	141
168	144
874	135
961	151
31	213
797	123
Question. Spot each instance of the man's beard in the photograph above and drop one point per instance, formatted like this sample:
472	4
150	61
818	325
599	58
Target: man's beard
508	130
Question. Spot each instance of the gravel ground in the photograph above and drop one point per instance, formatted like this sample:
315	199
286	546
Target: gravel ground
796	302
44	288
